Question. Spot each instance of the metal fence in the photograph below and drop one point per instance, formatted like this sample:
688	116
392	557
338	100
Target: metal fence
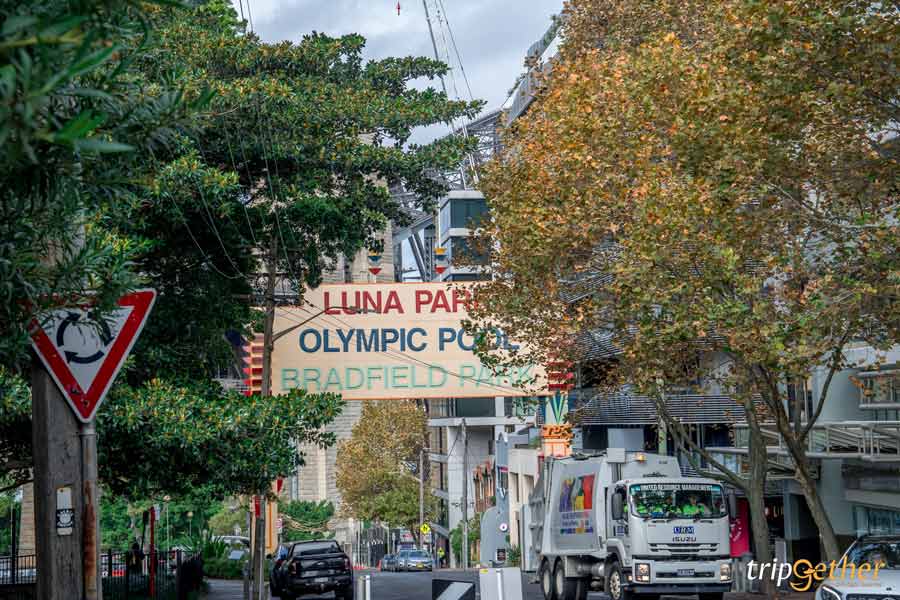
159	576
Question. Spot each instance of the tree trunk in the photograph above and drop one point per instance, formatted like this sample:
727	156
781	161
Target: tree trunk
816	508
756	499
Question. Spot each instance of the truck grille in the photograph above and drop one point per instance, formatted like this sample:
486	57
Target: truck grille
675	575
684	548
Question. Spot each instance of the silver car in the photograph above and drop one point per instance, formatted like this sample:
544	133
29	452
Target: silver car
414	560
872	550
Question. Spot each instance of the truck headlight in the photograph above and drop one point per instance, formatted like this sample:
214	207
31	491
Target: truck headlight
725	572
829	593
642	572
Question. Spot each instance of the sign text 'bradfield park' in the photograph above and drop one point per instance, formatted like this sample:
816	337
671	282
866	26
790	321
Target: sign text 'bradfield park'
388	341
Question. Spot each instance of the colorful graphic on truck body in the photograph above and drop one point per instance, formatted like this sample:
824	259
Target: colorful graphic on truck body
576	504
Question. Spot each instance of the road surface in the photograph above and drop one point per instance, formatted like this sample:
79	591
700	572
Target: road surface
417	586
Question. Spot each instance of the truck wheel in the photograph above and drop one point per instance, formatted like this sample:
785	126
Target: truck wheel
615	583
344	594
567	588
547	581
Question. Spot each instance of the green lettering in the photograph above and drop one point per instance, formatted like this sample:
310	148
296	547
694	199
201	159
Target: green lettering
309	376
289	379
333	380
399	375
466	372
348	374
431	371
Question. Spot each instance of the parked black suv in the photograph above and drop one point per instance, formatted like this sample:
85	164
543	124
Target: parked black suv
314	567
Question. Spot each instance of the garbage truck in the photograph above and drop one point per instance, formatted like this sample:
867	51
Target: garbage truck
630	524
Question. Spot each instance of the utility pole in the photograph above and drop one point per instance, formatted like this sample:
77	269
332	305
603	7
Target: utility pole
421	496
465	498
58	485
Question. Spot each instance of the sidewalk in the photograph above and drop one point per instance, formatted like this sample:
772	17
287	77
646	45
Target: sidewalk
225	590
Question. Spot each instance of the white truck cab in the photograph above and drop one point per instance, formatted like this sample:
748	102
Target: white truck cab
629	522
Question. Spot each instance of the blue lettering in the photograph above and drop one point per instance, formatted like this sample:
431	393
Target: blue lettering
468	347
326	347
445	336
345	339
388	336
411	343
367	344
315	334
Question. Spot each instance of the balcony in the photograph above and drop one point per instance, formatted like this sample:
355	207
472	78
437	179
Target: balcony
879	390
868	441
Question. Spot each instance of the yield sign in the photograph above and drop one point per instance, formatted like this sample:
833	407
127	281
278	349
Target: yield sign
84	356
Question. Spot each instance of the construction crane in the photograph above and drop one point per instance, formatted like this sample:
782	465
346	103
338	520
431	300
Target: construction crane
442	41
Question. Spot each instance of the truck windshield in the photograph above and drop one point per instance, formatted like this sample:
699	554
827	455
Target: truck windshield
678	500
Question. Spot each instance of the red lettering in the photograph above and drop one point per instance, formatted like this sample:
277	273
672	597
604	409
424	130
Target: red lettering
371	304
393	303
440	301
460	298
329	310
423	297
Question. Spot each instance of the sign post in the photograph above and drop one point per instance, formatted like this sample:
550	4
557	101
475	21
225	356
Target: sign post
78	359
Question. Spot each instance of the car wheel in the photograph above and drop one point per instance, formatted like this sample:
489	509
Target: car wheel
547	581
615	583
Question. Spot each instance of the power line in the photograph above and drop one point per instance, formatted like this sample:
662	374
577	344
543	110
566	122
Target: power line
206	257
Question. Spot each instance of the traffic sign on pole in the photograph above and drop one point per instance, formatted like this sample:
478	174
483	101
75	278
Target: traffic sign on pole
84	356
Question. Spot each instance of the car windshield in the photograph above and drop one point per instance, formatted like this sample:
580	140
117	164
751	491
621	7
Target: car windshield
678	500
885	553
418	554
309	548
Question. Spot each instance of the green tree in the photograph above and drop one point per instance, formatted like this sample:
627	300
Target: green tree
376	467
75	128
728	174
304	520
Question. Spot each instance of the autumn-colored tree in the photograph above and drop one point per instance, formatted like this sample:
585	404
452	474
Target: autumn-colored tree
377	467
716	184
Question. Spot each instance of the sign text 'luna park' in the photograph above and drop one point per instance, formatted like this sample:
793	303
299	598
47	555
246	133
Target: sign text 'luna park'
390	341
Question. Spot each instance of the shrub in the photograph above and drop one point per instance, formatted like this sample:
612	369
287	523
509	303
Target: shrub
223	568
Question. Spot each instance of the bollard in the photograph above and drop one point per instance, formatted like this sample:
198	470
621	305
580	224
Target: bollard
368	595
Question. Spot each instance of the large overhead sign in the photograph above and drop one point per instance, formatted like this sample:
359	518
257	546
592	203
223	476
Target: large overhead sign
389	341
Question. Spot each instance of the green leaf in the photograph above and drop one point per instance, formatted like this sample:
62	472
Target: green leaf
17	23
101	146
90	61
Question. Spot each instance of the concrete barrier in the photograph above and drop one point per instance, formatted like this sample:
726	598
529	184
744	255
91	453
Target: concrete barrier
449	589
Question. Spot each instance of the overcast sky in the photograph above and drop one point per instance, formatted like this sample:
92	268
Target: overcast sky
492	35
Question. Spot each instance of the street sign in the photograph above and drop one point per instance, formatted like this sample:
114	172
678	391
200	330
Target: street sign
83	357
425	529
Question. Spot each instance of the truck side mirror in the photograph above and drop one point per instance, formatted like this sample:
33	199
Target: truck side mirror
732	505
617	506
